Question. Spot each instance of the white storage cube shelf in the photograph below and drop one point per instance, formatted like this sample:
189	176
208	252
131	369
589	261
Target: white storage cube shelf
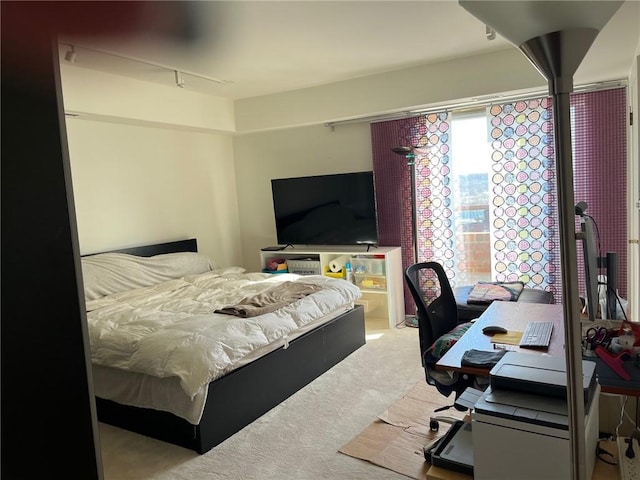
377	272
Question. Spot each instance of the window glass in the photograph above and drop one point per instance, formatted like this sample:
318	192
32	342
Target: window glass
471	159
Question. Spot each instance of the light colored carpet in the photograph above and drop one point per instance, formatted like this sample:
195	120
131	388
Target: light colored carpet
298	439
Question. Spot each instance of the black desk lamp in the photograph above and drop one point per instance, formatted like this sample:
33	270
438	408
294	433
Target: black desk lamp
555	37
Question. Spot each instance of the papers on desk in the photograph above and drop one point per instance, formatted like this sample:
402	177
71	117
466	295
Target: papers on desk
509	338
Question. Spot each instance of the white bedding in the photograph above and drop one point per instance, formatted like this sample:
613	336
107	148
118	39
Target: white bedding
165	394
170	329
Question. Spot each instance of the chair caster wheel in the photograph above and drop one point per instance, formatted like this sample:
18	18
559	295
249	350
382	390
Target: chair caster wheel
434	425
434	422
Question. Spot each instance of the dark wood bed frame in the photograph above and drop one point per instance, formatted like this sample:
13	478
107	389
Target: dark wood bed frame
243	395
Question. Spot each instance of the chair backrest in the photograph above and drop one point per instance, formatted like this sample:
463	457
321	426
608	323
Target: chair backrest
437	312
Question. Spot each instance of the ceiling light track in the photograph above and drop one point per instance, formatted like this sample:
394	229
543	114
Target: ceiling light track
490	33
178	72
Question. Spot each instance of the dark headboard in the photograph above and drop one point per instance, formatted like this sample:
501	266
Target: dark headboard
190	245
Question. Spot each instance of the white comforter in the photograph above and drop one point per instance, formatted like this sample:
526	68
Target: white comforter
169	329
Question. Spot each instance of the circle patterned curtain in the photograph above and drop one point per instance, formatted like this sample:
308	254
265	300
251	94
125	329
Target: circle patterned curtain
430	135
523	194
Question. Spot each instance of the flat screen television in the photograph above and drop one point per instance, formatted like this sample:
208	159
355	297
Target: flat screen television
337	209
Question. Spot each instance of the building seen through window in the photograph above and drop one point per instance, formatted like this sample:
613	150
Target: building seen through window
471	160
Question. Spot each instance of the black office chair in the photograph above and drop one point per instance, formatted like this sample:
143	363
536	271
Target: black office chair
438	326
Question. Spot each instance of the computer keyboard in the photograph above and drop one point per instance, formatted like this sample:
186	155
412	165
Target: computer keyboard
537	334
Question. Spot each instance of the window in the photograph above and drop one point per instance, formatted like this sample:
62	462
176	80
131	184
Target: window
471	164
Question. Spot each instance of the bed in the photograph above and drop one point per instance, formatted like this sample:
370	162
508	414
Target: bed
141	386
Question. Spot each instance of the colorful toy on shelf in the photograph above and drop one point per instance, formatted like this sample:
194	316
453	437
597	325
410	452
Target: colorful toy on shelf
276	265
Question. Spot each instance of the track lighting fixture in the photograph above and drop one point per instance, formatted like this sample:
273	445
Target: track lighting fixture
70	55
90	53
179	79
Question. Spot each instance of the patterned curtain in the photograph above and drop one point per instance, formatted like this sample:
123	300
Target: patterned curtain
434	212
600	171
435	240
523	211
392	178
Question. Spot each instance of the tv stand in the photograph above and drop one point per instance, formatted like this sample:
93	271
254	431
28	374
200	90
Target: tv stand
377	272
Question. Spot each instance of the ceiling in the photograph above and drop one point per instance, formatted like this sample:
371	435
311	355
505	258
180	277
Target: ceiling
240	49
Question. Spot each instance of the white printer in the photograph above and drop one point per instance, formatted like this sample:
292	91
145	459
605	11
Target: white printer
520	423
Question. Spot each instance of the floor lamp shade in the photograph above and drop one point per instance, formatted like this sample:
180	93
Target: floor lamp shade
523	20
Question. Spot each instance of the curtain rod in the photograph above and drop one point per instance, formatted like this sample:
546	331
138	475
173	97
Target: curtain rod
472	103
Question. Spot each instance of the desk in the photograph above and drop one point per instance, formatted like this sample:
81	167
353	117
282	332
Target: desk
514	316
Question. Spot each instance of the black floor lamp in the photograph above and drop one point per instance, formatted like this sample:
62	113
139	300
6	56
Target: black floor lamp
409	154
555	37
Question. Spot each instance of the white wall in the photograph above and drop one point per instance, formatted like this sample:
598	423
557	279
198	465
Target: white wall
99	95
294	152
137	184
403	90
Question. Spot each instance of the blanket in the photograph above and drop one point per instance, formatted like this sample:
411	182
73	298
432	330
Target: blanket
269	301
487	292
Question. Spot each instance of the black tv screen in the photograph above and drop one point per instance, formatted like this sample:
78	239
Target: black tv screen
335	209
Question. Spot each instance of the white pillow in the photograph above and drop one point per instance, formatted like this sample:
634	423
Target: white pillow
108	273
